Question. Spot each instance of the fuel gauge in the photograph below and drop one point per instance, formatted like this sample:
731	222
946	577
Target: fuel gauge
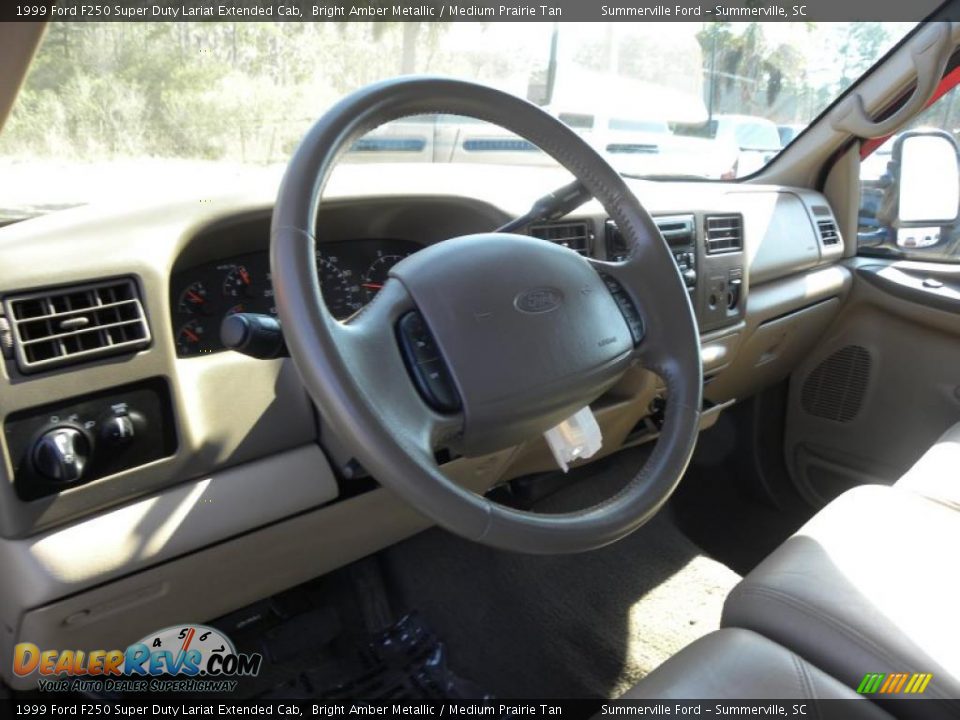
190	338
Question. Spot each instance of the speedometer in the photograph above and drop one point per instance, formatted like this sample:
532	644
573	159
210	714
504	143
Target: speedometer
341	292
376	275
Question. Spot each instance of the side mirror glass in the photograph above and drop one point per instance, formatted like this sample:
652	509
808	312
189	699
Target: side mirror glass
928	174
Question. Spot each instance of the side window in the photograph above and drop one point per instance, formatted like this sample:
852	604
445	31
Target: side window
910	189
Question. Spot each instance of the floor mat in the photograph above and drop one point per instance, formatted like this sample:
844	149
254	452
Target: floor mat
405	662
584	625
719	509
317	643
733	525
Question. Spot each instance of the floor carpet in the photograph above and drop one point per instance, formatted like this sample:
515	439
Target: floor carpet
587	625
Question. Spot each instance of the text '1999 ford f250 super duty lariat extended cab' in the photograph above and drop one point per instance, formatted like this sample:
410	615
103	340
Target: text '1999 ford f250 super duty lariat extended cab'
428	367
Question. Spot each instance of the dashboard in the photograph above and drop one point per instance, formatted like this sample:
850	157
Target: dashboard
351	272
215	471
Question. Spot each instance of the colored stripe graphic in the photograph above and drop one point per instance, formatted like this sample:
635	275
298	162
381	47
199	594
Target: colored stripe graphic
890	682
894	683
919	682
902	681
870	683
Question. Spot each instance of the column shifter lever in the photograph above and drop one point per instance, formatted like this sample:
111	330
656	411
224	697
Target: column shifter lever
253	334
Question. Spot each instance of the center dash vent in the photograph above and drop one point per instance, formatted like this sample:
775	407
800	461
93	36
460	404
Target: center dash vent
828	232
70	325
573	235
724	233
677	230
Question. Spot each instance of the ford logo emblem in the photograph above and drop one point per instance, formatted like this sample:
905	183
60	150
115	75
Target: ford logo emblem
538	300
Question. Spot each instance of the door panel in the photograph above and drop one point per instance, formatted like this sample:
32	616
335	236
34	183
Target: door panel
883	383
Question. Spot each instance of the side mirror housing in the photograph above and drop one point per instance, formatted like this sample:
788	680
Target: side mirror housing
926	168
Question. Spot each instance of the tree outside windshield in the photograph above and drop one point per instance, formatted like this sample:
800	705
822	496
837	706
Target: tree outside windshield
110	106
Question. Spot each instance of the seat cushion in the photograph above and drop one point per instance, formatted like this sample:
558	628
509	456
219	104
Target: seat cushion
869	585
740	664
937	473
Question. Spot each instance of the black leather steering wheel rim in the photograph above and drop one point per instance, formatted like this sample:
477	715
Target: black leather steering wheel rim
351	369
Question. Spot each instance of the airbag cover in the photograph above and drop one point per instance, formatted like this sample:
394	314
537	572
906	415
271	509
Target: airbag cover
528	329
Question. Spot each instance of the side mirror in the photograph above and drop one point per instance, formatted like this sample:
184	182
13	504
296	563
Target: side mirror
926	168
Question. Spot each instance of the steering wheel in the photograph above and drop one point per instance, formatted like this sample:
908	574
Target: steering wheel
483	341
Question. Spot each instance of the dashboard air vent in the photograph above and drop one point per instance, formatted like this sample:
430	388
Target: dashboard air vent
574	235
73	324
828	232
724	233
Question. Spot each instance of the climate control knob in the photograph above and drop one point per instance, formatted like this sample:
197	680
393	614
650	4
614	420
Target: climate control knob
118	429
61	454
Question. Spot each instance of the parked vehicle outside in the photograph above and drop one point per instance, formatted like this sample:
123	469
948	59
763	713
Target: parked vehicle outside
752	140
634	144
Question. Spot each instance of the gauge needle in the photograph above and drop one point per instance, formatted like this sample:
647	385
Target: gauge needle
194	297
245	276
186	642
186	646
192	336
372	286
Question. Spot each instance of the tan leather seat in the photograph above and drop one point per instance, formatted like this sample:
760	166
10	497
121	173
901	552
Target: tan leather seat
869	585
735	664
936	475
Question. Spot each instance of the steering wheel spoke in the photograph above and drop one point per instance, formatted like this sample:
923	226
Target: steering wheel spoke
371	342
622	280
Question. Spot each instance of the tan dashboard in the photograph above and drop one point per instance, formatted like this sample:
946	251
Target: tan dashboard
244	469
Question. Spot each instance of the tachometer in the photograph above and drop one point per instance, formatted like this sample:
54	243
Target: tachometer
238	282
341	292
376	275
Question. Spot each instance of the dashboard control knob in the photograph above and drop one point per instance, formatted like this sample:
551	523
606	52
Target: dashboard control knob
690	277
117	429
61	454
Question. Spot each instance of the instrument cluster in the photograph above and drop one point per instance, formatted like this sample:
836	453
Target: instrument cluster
351	273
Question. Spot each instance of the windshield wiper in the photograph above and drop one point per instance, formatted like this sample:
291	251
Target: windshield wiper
565	200
677	176
9	217
551	206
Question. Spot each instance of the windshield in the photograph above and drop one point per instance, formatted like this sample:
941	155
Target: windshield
115	109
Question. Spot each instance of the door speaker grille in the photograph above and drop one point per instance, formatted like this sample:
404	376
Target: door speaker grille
836	388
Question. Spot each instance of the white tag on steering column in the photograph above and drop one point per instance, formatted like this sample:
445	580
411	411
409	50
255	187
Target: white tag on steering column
576	437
